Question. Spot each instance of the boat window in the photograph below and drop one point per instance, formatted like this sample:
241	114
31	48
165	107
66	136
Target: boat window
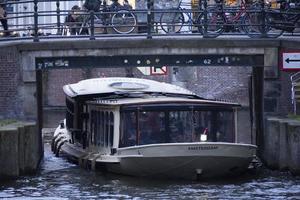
102	129
151	127
180	126
111	128
99	127
128	129
106	130
69	113
218	125
145	126
93	126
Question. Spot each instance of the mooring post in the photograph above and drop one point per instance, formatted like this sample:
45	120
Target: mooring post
258	86
39	100
251	107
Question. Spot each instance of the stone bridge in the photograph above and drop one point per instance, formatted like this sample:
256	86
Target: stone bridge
23	64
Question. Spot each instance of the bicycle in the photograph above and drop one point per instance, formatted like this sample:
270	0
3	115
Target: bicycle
259	22
286	19
276	21
221	19
122	21
173	20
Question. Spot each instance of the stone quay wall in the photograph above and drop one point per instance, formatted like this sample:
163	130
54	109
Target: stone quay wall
10	81
20	150
281	149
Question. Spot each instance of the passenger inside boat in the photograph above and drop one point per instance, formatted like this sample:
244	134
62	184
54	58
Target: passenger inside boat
152	128
129	136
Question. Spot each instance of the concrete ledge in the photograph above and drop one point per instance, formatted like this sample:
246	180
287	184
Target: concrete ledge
142	42
9	162
294	147
20	151
282	144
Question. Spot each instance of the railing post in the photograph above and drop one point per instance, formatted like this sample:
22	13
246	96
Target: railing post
149	18
205	18
92	28
263	16
35	19
200	4
58	17
104	16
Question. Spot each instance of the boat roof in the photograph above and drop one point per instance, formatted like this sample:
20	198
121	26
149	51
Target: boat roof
149	99
121	85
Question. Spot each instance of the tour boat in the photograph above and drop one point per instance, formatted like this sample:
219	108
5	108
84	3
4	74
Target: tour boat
146	128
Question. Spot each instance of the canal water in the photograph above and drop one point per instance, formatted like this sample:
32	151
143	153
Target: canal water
59	179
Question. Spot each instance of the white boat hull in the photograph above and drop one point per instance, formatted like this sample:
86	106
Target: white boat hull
183	161
187	160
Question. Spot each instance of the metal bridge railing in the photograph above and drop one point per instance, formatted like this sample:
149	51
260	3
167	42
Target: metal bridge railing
43	19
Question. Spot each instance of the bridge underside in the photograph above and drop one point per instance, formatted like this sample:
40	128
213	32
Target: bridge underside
165	53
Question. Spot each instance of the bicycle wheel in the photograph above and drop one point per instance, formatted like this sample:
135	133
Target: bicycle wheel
255	28
99	24
123	21
215	24
171	22
252	25
273	26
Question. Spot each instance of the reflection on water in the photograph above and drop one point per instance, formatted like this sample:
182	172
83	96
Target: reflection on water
59	179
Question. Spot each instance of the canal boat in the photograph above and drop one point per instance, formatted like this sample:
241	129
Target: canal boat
146	128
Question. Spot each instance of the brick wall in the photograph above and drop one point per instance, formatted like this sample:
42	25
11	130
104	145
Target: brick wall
226	83
10	101
53	82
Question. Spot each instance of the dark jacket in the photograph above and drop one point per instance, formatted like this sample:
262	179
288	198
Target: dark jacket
92	5
3	3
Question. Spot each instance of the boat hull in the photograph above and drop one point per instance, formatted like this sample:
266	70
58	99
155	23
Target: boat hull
189	167
173	161
185	161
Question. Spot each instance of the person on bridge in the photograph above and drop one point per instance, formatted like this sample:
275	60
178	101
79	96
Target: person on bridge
3	18
126	5
73	20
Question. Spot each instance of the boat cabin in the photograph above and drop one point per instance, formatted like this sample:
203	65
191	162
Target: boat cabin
118	123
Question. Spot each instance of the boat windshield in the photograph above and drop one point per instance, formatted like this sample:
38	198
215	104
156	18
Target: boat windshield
176	126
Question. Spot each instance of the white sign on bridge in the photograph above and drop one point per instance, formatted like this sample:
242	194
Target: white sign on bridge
158	70
290	60
153	70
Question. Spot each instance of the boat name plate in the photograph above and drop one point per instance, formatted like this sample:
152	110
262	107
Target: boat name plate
193	148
